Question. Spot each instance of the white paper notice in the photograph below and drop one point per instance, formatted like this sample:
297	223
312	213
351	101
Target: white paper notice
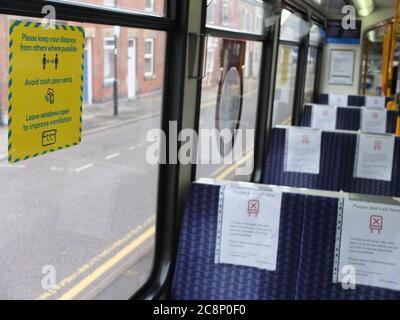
248	228
303	150
375	102
370	244
338	100
374	157
373	120
323	117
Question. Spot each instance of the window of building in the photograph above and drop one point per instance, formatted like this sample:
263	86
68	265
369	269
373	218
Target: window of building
211	12
256	61
109	60
225	12
210	60
149	5
149	57
109	3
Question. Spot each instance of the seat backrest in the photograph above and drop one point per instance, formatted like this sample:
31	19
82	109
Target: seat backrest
317	254
338	155
331	162
369	186
349	119
356	101
198	277
305	259
352	100
346	118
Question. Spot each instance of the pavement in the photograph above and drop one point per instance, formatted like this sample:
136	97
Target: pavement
87	213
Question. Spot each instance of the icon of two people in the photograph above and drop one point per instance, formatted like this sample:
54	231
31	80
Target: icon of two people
44	61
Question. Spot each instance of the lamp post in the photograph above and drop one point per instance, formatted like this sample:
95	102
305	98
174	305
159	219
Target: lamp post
115	84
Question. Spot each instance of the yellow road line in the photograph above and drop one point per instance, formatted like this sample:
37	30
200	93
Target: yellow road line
287	121
97	258
223	168
234	166
78	288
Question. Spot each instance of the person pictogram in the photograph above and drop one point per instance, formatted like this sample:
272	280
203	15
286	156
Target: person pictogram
44	61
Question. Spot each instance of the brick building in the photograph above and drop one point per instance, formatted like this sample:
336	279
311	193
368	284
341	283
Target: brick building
141	53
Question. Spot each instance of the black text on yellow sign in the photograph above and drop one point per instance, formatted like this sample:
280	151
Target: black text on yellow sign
45	88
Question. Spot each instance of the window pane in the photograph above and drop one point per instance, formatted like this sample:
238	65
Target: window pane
316	35
109	59
156	7
239	15
285	85
77	209
229	104
293	27
310	75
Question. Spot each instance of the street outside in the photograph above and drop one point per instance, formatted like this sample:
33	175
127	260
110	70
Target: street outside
88	212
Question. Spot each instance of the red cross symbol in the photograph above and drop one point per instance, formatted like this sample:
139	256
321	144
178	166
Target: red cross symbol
377	145
305	139
253	207
376	223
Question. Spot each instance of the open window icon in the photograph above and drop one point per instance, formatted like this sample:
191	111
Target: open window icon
50	96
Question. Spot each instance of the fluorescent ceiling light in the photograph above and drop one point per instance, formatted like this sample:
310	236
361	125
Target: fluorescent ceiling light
364	7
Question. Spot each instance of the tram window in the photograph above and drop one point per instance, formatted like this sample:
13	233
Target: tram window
293	27
310	75
316	35
71	218
371	76
285	84
224	105
316	38
156	7
238	15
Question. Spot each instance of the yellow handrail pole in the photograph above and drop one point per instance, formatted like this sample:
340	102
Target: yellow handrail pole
385	60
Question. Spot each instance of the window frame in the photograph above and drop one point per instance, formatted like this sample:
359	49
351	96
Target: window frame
149	8
149	74
108	81
109	3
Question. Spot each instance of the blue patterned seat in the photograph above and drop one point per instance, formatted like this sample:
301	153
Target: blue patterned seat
338	151
332	161
198	277
349	119
352	100
317	253
368	186
346	119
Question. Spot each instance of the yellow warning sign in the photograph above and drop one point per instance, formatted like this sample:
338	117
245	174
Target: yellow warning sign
45	88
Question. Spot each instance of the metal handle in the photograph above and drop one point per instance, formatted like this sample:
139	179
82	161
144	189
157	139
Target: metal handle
197	58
